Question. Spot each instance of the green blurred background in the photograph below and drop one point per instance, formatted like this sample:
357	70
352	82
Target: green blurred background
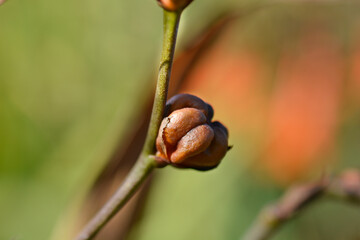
75	74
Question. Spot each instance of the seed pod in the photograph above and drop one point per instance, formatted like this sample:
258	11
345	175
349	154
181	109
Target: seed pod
187	138
185	100
194	142
170	133
212	156
174	5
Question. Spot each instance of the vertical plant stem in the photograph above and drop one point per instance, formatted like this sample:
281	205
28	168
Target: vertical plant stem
171	23
145	163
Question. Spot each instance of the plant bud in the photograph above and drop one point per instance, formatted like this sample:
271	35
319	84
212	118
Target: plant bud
174	5
187	138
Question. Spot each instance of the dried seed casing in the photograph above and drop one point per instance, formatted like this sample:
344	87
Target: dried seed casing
187	138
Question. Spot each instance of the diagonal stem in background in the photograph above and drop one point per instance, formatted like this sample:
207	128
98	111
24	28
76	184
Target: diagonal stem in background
346	187
146	162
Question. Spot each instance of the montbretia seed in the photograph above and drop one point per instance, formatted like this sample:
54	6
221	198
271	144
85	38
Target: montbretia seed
187	138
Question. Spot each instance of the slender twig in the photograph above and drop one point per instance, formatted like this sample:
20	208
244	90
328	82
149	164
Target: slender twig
346	187
171	23
137	175
271	218
146	162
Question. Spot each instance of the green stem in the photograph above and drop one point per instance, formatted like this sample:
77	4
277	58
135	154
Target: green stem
171	22
135	178
145	163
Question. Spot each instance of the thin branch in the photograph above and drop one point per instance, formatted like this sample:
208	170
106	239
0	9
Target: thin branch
146	162
271	218
171	23
346	187
136	177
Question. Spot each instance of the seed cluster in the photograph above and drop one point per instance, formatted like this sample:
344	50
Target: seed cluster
187	138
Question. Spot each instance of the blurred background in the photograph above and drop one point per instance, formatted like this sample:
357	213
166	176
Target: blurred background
75	93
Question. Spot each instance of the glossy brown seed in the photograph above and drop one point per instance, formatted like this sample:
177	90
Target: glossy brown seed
187	138
212	156
194	142
180	122
175	126
188	101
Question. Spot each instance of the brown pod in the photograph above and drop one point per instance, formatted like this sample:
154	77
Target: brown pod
187	138
174	5
211	157
194	142
160	145
175	126
184	100
180	122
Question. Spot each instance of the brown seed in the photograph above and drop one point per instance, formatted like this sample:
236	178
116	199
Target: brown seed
187	138
212	156
194	142
160	145
175	126
188	101
180	122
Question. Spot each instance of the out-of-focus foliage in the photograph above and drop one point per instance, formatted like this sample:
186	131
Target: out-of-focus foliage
71	75
74	73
